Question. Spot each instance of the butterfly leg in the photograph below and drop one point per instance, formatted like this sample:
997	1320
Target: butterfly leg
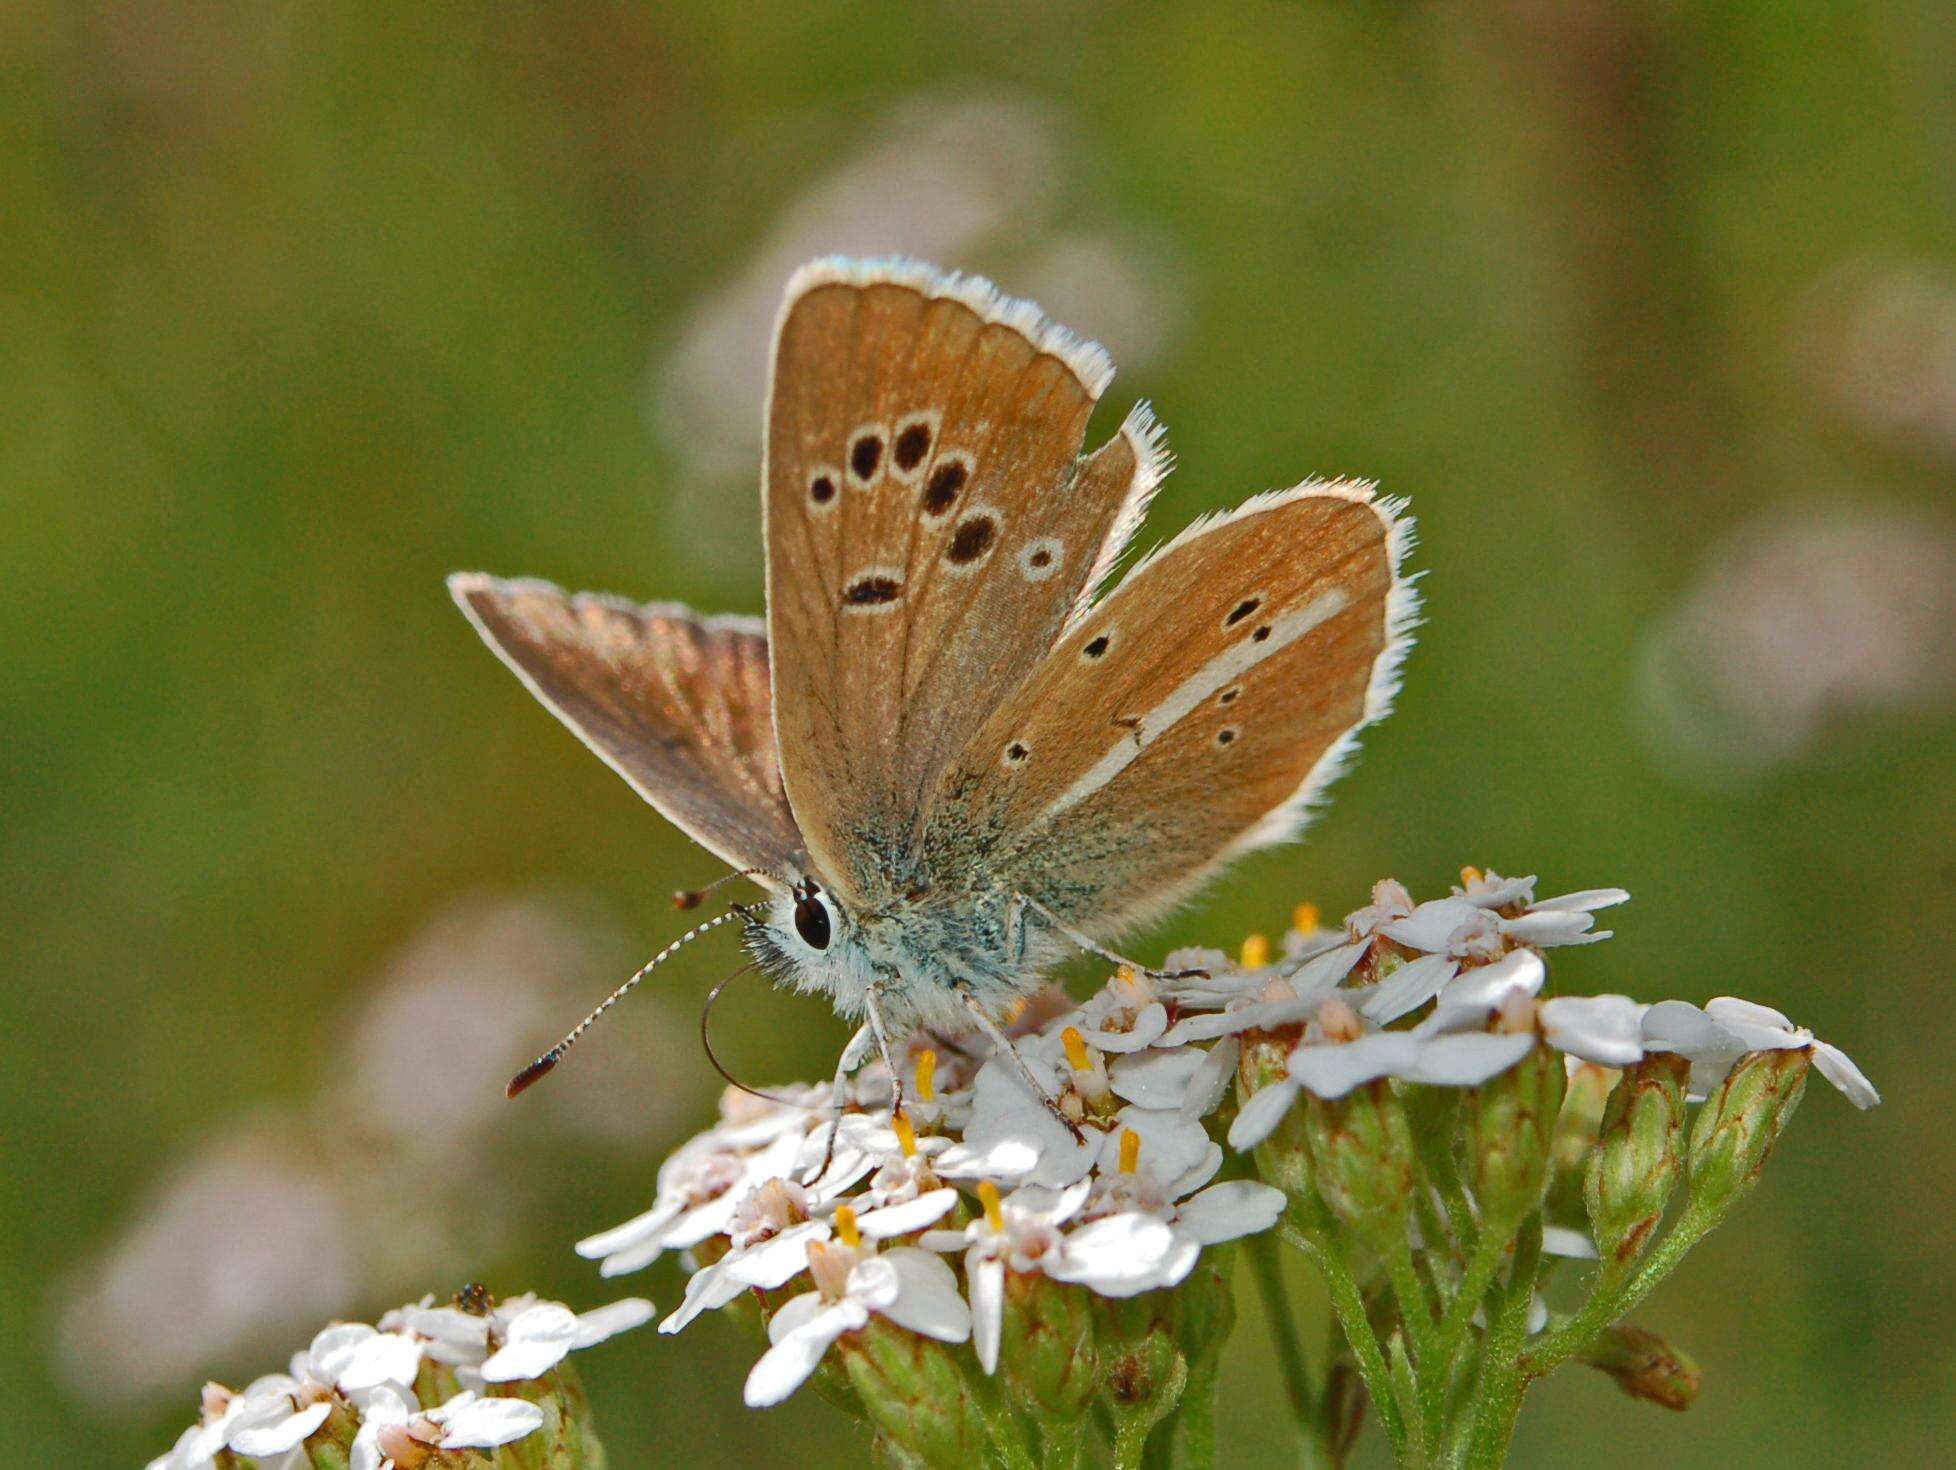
1004	1047
1109	955
851	1058
875	1015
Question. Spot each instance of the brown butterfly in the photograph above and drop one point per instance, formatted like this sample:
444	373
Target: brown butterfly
948	758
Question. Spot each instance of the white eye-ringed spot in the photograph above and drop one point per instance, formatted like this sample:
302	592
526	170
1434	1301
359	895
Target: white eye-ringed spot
1040	559
824	488
910	446
868	451
1015	755
946	481
1095	648
1226	735
873	590
1230	695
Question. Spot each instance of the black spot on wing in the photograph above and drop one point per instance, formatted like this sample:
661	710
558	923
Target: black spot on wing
821	490
912	444
972	539
945	483
1242	610
872	591
865	455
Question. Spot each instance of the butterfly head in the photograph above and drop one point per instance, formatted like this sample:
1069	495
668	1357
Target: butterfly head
806	938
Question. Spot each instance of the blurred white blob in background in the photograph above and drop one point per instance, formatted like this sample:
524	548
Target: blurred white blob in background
978	183
1881	338
319	1209
245	1240
1798	623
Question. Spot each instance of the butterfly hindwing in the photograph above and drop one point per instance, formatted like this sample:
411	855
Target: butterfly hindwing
1193	714
676	703
931	527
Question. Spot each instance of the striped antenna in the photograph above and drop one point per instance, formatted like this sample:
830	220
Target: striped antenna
533	1073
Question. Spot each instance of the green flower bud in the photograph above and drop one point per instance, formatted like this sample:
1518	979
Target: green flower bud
1741	1121
1046	1354
1142	1367
1510	1127
1363	1166
1645	1366
1585	1095
915	1393
1635	1163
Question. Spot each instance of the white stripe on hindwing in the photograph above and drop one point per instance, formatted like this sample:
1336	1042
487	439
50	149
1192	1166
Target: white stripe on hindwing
1225	668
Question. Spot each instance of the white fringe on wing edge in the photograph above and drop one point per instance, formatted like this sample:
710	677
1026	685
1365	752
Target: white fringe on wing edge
1146	435
1288	820
1086	360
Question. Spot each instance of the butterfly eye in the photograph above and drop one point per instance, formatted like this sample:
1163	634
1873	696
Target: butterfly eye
812	919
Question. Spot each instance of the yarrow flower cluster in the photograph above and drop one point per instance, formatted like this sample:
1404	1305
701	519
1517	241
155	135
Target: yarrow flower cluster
1404	1097
473	1381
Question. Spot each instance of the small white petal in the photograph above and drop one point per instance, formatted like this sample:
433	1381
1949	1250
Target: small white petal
333	1348
1678	1026
1122	1255
1323	971
600	1323
1212	1079
908	1217
986	1275
1408	988
635	1231
1260	1115
538	1339
259	1435
1833	1064
795	1313
1584	901
1332	1069
784	1367
1574	1245
485	1424
928	1303
1226	1211
1146	1029
385	1357
1759	1028
1553	928
1156	1079
1433	923
1519	972
1468	1058
1605	1029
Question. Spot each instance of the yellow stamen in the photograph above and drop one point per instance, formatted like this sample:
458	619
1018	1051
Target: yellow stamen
1130	1150
1469	877
906	1135
1125	974
988	1197
1304	918
845	1226
1256	952
927	1075
1016	1009
1076	1049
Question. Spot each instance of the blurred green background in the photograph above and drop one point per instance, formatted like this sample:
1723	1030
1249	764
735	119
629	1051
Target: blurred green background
1650	308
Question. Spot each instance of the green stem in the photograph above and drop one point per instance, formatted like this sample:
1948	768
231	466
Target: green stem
1269	1269
1610	1303
1425	1375
1199	1418
1474	1282
1349	1303
1007	1434
1498	1400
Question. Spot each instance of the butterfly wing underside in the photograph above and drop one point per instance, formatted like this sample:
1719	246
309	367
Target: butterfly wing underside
676	703
931	528
1191	715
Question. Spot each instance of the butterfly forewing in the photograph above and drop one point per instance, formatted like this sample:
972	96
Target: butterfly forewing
930	529
675	703
1192	714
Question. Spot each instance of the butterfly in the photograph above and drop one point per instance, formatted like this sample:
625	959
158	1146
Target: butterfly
950	757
